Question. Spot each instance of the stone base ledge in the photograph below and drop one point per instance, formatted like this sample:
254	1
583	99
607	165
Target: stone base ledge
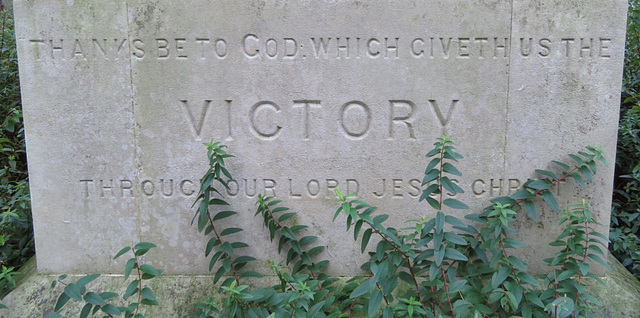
178	295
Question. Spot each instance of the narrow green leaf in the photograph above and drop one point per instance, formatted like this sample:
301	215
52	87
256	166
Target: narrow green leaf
439	221
563	165
305	258
313	311
243	259
143	248
280	209
430	176
454	221
131	289
455	255
374	302
239	245
122	251
212	242
150	270
434	151
308	240
223	214
86	279
227	248
578	179
578	160
433	203
455	204
147	293
454	238
517	263
432	164
428	191
547	173
363	288
586	172
434	271
288	233
335	215
511	242
108	295
94	299
286	216
406	277
449	168
214	259
215	201
551	200
62	300
365	239
316	250
538	184
450	186
599	260
522	194
73	291
111	309
218	274
380	218
526	278
131	264
499	276
356	229
86	310
566	274
295	245
439	255
530	207
282	241
231	230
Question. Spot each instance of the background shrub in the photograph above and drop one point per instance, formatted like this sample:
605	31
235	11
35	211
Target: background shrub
625	216
16	233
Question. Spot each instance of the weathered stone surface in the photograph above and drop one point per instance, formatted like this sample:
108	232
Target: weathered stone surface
310	96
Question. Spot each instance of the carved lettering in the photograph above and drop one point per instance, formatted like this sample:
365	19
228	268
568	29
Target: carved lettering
362	121
264	132
444	120
287	47
268	120
292	187
394	120
197	122
306	105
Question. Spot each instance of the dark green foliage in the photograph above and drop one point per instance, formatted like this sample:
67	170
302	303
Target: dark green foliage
625	231
464	272
206	218
16	233
437	267
104	302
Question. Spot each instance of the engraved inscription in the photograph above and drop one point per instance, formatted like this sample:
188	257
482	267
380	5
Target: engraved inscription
255	46
269	120
128	188
492	188
293	188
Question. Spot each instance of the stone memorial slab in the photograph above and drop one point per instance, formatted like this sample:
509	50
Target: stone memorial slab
310	96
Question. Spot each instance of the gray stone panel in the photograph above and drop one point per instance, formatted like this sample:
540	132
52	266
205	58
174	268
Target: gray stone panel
79	126
309	96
